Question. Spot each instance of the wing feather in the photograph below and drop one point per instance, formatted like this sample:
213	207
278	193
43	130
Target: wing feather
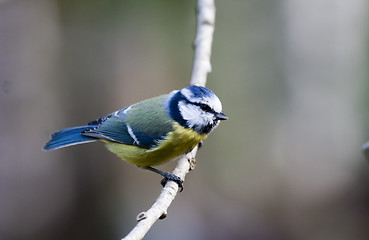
142	124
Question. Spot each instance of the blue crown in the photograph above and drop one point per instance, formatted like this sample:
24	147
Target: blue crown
199	92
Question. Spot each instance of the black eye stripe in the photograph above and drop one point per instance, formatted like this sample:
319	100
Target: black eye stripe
204	107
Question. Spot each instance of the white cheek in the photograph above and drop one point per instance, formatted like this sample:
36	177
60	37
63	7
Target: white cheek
194	115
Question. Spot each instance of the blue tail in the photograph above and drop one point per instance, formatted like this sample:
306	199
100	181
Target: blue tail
68	137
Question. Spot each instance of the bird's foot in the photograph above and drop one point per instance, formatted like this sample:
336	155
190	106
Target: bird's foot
167	177
174	178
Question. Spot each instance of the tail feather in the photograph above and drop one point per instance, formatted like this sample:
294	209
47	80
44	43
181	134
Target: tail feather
68	137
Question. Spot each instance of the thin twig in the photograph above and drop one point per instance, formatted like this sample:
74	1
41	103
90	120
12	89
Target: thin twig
203	42
201	67
159	209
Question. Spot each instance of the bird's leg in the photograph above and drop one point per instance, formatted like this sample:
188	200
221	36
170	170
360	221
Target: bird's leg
167	177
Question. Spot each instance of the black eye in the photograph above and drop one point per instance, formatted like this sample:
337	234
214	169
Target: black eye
205	108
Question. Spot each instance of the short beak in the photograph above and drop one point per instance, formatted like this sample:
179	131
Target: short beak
221	116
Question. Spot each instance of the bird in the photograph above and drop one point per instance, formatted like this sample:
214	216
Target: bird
153	131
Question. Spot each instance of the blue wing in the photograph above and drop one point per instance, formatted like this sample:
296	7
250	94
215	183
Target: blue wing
142	124
139	125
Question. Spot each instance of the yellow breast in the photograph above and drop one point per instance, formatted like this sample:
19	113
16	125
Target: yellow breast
176	143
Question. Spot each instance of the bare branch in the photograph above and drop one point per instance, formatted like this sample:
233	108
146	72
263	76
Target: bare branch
159	209
201	67
203	42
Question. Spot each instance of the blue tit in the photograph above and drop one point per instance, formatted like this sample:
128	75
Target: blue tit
153	131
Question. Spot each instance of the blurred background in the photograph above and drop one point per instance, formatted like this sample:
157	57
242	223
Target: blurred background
293	79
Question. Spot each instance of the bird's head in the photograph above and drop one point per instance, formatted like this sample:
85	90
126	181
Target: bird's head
197	108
